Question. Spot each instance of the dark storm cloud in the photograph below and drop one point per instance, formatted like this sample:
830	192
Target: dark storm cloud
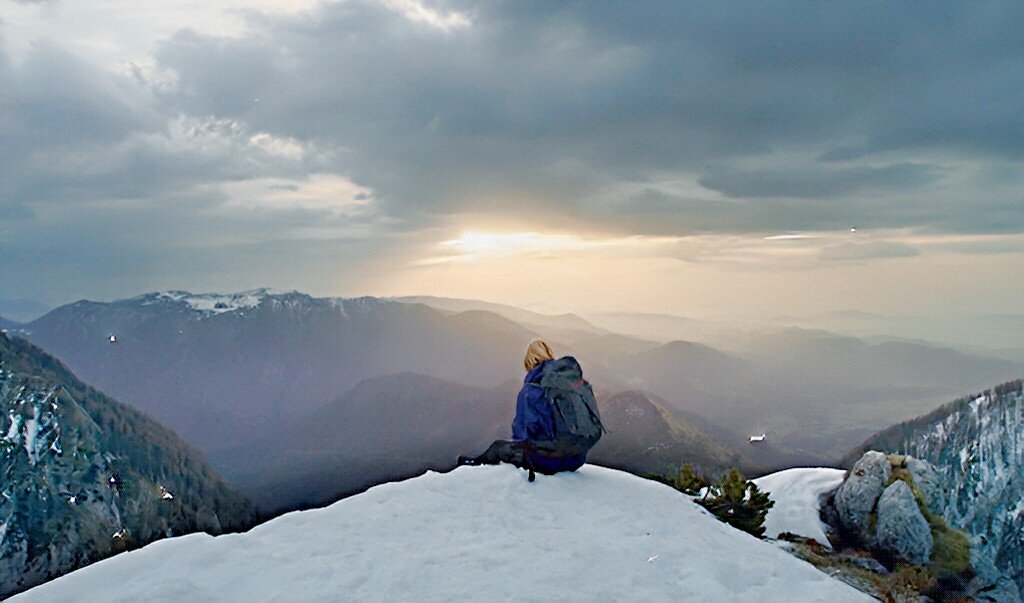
550	104
659	212
76	133
819	184
777	116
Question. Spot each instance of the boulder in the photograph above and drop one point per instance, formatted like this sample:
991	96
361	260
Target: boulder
901	528
930	482
856	498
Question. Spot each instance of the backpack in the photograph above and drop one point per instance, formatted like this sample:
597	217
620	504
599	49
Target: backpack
574	415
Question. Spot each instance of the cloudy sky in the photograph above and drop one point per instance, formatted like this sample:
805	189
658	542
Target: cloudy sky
695	158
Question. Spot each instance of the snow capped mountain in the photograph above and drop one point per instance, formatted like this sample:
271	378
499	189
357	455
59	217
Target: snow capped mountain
477	533
213	303
978	445
242	362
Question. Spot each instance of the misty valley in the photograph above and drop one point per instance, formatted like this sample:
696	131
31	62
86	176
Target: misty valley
300	401
358	391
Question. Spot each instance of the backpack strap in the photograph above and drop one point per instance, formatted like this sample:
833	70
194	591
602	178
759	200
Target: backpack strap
551	405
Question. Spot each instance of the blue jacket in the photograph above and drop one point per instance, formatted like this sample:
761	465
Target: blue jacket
533	422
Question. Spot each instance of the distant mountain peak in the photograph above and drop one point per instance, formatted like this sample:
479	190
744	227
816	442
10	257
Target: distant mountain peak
210	303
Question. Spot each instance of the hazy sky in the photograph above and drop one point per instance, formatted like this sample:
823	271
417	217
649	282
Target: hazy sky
694	158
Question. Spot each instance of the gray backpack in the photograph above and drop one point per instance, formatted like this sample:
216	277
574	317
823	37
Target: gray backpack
574	415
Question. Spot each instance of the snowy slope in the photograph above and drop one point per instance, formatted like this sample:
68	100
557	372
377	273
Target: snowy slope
475	534
796	493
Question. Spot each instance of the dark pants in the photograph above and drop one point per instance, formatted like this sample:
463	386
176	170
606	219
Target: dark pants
502	451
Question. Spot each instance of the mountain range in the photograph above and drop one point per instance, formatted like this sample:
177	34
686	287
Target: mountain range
422	423
237	374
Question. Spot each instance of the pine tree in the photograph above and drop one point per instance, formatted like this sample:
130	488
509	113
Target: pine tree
739	503
689	482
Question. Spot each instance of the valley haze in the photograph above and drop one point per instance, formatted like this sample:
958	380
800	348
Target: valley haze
315	380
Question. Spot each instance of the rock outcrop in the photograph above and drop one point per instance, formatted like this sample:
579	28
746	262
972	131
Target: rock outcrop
930	482
976	445
855	500
900	526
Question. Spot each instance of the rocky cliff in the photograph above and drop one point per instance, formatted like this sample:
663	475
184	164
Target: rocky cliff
976	445
83	477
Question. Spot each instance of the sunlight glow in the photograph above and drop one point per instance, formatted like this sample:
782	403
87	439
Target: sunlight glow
788	237
491	243
472	245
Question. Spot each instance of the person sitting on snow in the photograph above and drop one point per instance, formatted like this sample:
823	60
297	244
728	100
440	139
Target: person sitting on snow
556	420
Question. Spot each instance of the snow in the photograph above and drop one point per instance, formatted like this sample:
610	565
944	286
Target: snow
475	534
31	430
14	429
213	303
796	493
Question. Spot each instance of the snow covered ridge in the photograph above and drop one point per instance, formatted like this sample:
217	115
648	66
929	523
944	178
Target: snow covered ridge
211	303
475	534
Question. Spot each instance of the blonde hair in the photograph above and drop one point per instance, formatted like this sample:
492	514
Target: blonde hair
537	352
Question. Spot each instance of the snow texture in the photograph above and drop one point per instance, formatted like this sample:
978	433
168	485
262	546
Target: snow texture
475	534
796	493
